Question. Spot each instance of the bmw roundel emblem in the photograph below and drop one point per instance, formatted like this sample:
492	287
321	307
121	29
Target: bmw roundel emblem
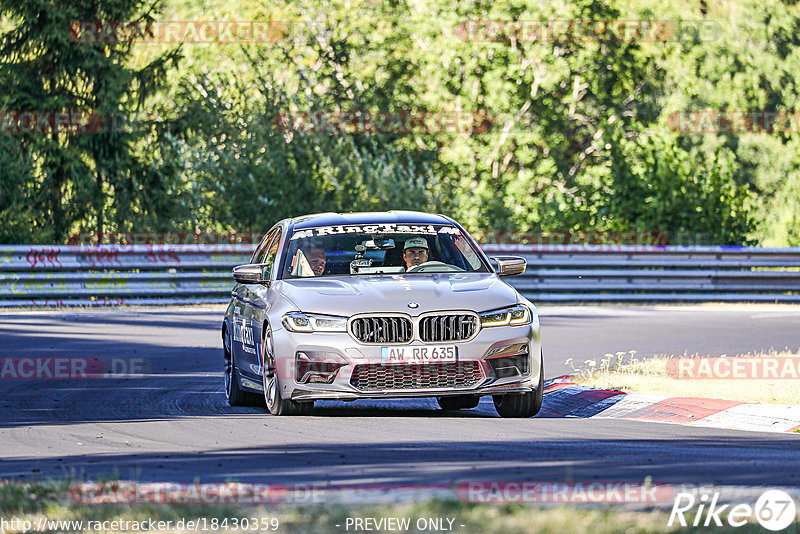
413	305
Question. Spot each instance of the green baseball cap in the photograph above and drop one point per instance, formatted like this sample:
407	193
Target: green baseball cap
416	242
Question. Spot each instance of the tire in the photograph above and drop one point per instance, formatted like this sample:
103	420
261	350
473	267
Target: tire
458	402
235	395
277	405
524	405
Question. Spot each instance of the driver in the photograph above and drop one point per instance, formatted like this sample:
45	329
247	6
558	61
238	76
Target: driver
415	252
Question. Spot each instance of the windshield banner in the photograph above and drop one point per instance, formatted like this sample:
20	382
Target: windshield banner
382	228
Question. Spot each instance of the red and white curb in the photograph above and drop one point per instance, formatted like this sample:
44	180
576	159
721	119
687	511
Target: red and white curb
563	398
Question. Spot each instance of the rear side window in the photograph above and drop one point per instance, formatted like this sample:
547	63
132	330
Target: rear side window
263	248
271	250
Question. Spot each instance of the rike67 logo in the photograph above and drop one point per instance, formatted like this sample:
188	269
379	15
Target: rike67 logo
774	510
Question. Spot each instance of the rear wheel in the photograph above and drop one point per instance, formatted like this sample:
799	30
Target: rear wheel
458	402
276	404
233	392
525	405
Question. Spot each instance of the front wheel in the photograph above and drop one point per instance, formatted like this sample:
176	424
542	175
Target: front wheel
276	404
525	405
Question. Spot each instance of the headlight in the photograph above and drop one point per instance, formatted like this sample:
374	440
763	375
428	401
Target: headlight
311	322
513	316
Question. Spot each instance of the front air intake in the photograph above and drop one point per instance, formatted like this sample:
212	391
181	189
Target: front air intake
381	329
445	328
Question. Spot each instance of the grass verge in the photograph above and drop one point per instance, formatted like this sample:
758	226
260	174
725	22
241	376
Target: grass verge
624	372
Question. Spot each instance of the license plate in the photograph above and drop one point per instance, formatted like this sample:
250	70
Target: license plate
426	354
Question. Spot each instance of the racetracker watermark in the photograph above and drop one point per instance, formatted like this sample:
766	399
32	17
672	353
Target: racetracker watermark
178	31
737	367
595	492
383	122
486	122
120	492
239	493
723	121
590	240
204	240
574	237
72	122
198	524
210	240
72	368
582	31
405	122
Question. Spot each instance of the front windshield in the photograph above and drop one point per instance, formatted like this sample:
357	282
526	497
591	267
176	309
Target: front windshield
380	249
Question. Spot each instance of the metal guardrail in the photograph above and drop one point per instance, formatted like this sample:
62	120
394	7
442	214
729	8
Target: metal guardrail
558	273
118	274
201	274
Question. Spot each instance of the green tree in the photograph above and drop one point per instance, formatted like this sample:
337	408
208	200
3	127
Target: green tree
246	172
49	64
746	59
649	182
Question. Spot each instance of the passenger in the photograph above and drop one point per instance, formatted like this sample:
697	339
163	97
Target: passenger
415	252
309	261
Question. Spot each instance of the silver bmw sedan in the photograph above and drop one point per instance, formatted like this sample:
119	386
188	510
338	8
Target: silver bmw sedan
347	306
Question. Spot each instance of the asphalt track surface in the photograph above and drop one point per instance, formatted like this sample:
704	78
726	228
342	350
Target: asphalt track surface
174	425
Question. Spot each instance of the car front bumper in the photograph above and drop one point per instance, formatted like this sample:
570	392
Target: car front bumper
287	344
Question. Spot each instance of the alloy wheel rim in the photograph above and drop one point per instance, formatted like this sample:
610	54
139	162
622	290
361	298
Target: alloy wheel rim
228	365
270	382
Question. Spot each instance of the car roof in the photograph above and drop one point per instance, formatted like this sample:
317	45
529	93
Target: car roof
373	217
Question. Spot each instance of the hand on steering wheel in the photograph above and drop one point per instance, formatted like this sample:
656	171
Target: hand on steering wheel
437	266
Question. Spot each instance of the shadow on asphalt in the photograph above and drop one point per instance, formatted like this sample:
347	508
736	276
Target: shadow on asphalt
674	461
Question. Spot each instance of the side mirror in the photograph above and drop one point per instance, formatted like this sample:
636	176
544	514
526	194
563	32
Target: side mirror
252	273
509	265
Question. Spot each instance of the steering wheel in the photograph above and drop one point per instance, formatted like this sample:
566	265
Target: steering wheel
437	266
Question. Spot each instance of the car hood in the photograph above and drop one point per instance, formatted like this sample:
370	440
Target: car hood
348	295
